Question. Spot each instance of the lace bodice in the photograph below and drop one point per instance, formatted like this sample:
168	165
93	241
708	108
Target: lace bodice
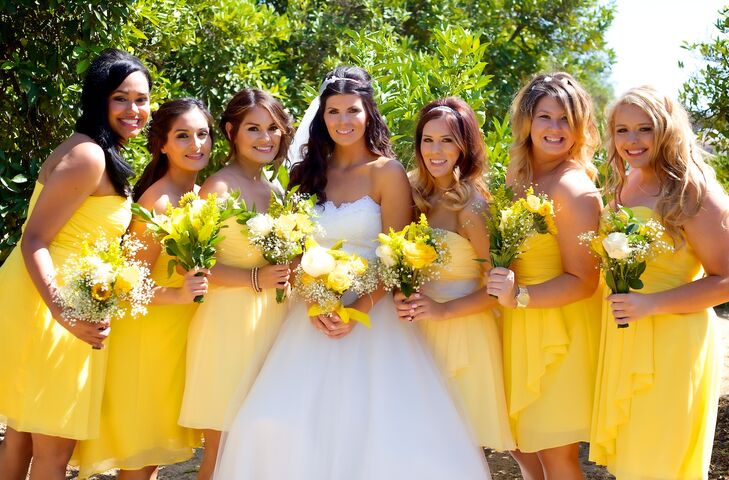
357	222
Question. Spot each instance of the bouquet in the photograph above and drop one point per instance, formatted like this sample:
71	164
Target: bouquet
190	231
280	234
410	257
326	273
103	282
623	244
511	222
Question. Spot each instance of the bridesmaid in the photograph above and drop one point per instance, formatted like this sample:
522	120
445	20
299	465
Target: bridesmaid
551	314
53	380
234	328
658	381
146	373
454	311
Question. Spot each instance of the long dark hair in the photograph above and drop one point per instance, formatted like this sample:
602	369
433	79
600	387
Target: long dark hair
310	173
159	129
237	109
105	74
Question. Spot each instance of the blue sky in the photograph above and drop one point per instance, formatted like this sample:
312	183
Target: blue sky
647	36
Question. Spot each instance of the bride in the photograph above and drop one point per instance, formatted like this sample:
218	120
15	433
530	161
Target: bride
341	401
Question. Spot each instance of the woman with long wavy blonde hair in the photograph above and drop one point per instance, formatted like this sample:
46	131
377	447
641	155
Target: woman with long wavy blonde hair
657	388
454	311
551	312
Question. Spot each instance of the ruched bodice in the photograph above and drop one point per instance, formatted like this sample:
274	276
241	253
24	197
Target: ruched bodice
235	250
462	274
357	222
540	260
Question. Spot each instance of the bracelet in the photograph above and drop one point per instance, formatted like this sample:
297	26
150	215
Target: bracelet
372	301
254	280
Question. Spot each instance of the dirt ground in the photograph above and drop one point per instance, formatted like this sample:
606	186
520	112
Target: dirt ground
501	464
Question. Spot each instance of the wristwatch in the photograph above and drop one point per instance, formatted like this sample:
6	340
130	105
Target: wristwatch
522	297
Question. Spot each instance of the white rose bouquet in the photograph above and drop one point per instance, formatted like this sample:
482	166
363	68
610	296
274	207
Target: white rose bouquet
280	234
326	273
103	282
623	244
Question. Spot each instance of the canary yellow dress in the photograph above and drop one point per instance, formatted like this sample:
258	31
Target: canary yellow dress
145	380
658	383
550	357
52	382
229	338
468	349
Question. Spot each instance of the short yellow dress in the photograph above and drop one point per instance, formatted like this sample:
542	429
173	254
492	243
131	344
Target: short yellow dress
658	383
52	382
468	349
229	338
145	380
550	357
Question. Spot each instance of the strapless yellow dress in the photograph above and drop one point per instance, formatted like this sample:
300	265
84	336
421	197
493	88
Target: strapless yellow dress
229	338
52	382
658	383
550	357
145	380
468	349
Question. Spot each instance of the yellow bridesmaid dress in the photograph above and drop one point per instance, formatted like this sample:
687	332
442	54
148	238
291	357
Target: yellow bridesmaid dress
658	383
468	349
230	336
52	382
550	357
145	381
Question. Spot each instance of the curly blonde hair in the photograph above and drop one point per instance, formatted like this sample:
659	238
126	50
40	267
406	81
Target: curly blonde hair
677	159
470	166
578	105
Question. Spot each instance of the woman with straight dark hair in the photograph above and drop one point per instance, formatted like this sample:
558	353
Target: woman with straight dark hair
53	381
146	373
342	400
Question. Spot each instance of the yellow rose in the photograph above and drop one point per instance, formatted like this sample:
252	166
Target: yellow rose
419	255
596	245
127	279
545	209
338	279
286	225
358	266
533	203
101	292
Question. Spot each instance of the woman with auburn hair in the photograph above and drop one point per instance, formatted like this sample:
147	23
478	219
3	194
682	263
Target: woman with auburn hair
454	311
341	400
551	309
53	381
146	371
232	331
658	381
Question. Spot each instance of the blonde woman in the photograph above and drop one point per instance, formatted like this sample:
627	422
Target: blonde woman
657	390
551	312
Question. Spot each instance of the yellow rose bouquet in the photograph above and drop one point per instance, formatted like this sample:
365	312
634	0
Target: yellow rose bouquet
410	257
103	282
511	222
624	243
190	231
326	273
280	234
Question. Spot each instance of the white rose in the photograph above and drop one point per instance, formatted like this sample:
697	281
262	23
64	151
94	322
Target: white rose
196	206
317	261
616	245
386	255
260	225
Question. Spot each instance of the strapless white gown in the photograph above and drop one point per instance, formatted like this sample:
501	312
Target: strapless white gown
369	406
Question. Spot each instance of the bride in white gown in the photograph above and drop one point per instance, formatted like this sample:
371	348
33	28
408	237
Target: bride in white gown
337	401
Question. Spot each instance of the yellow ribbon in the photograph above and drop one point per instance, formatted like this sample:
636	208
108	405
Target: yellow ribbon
345	313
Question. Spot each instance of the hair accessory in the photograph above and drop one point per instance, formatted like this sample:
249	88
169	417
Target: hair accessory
333	79
447	109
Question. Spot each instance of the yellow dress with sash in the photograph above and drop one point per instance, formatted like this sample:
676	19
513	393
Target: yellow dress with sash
550	357
145	380
658	382
229	338
468	349
52	382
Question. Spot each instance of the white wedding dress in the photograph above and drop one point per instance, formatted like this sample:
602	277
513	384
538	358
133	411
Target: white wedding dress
369	406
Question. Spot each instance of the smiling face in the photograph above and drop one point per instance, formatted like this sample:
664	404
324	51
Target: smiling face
128	107
634	136
551	134
258	138
345	118
188	142
439	150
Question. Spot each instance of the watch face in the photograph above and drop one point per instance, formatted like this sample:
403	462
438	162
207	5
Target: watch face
523	297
